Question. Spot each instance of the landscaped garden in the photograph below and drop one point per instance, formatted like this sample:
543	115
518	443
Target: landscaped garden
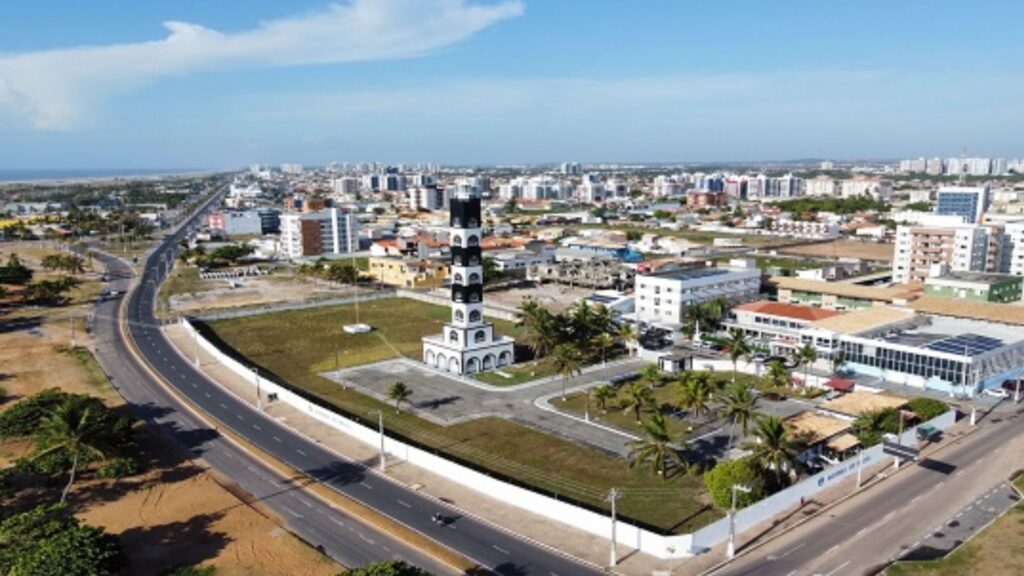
298	345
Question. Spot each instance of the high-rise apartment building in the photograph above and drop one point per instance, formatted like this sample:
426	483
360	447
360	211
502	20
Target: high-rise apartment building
325	232
969	202
918	248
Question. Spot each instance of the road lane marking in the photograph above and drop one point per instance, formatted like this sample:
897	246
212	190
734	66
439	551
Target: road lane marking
365	539
365	485
276	439
292	512
256	426
832	549
336	521
500	549
405	504
841	566
224	406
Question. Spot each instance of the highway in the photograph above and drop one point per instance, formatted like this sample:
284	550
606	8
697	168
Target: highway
866	532
345	539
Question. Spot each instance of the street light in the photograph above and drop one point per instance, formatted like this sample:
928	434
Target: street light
259	400
380	429
730	550
671	551
613	496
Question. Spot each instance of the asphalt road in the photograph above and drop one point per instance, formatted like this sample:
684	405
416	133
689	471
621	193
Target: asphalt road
866	532
342	538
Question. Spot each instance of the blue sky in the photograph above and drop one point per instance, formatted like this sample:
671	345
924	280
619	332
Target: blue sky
109	84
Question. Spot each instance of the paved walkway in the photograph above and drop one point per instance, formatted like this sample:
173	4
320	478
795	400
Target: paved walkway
444	399
532	526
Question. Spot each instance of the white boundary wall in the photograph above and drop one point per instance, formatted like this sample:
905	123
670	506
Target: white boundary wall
575	516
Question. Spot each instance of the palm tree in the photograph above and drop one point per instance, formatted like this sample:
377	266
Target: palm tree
738	406
736	344
602	319
694	394
650	375
806	356
602	394
603	341
775	448
838	359
638	398
777	376
628	335
399	392
538	327
567	361
655	446
74	429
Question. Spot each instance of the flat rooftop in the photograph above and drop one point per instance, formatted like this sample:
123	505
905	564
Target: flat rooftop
864	320
845	289
972	278
786	310
817	427
970	309
697	273
957	335
857	403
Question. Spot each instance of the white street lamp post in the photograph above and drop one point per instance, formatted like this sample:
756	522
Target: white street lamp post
613	496
730	550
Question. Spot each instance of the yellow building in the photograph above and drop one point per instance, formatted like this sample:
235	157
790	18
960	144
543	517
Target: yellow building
408	272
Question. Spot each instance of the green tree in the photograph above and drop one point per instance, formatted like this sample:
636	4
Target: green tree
603	341
738	407
15	272
694	393
602	394
873	424
720	480
539	327
628	335
389	568
399	392
650	375
638	398
806	356
655	447
927	408
76	430
777	376
567	362
737	346
23	419
775	448
48	541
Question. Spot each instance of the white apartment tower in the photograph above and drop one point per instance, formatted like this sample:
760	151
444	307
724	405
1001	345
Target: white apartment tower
467	344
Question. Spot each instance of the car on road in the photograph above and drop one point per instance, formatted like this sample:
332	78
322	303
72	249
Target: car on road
997	393
928	433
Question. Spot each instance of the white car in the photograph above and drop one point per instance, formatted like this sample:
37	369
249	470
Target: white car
997	393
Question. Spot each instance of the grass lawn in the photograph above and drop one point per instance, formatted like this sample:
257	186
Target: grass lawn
183	280
998	549
297	345
615	415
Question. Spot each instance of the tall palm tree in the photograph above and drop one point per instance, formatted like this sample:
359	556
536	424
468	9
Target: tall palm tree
777	376
538	327
628	335
74	429
602	394
775	449
655	446
737	346
603	341
603	319
650	375
567	361
399	392
806	356
694	394
638	398
738	406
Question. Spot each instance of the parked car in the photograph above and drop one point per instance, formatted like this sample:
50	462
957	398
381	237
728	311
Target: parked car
928	433
997	393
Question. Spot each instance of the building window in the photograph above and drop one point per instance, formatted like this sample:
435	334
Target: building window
474	316
480	336
458	278
459	316
453	336
474	278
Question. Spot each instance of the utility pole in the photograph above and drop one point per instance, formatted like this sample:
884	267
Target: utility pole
899	440
860	466
195	345
259	400
1016	392
613	497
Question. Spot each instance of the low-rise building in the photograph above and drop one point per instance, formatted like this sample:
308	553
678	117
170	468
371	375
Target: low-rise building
975	286
663	298
408	272
776	324
838	296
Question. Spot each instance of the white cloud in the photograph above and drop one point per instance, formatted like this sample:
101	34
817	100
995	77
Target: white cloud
51	89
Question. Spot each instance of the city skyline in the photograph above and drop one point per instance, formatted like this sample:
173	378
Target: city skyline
504	82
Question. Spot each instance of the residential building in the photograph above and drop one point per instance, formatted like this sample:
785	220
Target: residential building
429	198
326	232
963	248
821	186
873	187
1015	247
703	199
975	286
408	272
804	228
663	298
968	202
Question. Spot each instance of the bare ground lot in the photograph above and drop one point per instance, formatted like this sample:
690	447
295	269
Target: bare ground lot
844	249
554	297
174	512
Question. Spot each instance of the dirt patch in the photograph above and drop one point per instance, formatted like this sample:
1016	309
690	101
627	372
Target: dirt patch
845	249
173	513
554	297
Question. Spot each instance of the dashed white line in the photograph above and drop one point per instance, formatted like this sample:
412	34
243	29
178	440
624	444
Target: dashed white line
832	549
256	426
365	485
338	522
840	567
500	549
365	539
276	439
405	504
299	450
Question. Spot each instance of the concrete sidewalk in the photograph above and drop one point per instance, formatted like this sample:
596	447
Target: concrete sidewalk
531	526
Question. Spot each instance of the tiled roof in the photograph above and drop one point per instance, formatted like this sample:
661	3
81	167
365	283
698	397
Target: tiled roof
786	310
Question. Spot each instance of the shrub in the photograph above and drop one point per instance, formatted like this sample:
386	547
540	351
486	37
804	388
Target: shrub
720	480
392	568
47	540
118	468
927	408
23	418
190	571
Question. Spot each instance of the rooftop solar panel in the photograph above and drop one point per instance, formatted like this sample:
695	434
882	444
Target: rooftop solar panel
970	344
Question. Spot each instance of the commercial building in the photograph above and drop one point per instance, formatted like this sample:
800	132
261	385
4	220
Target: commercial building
975	286
968	202
467	344
663	298
777	324
326	232
838	296
235	223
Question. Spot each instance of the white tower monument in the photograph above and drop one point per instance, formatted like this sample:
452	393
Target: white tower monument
467	344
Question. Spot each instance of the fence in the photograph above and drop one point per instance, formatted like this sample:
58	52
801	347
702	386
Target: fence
579	517
303	305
